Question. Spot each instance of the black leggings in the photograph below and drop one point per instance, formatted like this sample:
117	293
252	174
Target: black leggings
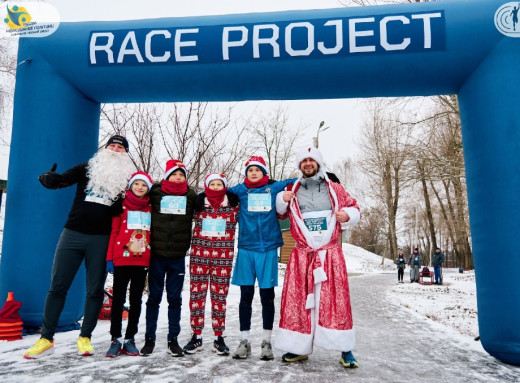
246	310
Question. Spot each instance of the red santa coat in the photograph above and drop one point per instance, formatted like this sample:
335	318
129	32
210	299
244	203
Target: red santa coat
129	246
315	308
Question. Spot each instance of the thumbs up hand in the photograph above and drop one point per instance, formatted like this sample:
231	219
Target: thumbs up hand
50	179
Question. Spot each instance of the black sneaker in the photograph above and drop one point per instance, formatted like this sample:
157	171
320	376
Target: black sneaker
290	357
174	347
194	345
148	347
220	347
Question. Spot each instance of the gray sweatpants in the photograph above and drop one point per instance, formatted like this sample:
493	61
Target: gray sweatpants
74	247
414	273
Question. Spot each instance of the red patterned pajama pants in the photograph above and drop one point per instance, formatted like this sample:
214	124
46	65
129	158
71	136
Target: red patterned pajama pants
212	268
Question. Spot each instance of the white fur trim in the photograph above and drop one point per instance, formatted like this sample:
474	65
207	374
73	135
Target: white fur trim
309	152
174	169
309	304
292	341
354	215
281	205
338	340
319	275
215	176
141	177
257	164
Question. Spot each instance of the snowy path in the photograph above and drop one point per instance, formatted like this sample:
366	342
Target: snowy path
393	345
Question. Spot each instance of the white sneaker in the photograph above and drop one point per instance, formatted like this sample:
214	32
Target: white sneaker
267	351
243	350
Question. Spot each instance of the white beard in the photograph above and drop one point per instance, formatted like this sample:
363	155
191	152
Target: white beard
109	172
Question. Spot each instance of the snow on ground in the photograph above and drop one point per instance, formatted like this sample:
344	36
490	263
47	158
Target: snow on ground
453	304
381	308
361	261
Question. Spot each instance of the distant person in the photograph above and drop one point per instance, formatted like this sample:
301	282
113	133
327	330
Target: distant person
100	184
415	262
211	260
128	258
514	13
315	308
438	260
172	212
401	265
259	237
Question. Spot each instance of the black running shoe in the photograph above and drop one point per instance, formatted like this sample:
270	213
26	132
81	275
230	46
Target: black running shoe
149	345
219	346
174	347
194	345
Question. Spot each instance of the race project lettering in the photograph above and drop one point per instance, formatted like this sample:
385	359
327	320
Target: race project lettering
412	32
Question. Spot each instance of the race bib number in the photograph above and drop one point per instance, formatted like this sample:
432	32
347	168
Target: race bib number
173	204
139	220
258	202
98	198
317	226
213	227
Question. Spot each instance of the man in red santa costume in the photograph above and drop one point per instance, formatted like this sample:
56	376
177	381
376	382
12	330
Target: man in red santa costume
315	307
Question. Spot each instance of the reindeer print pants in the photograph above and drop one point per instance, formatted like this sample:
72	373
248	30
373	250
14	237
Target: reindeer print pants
210	269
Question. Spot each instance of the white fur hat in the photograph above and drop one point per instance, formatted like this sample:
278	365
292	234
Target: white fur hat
309	152
216	176
257	161
141	176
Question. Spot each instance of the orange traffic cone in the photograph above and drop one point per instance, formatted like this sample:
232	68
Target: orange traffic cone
11	324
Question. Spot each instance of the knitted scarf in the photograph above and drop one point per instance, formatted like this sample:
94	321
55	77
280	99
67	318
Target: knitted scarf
258	184
215	197
174	188
131	202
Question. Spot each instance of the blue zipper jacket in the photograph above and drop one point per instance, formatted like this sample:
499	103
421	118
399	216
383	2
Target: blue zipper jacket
259	230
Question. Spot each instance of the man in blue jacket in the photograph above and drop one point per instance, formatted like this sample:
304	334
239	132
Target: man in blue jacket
438	260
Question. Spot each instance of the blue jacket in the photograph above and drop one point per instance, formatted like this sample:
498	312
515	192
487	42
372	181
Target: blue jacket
258	230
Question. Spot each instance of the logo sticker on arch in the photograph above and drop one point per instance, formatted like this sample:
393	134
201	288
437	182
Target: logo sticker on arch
506	19
28	19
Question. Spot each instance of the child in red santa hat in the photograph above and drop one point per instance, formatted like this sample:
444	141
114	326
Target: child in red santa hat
128	258
172	212
211	260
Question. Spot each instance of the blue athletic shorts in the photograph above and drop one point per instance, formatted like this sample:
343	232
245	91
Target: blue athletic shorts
251	265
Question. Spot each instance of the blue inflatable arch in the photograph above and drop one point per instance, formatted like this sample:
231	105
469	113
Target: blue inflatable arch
468	48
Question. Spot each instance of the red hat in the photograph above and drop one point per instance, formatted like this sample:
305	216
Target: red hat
173	165
215	176
143	177
256	161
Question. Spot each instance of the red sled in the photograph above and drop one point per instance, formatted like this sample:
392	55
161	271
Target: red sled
106	309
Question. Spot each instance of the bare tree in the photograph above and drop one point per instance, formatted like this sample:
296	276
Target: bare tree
139	123
204	139
384	159
276	140
439	168
7	81
369	234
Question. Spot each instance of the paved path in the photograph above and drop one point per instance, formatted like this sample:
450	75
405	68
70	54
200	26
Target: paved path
393	345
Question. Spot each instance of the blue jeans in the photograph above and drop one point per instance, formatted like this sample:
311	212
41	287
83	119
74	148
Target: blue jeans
437	274
173	269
